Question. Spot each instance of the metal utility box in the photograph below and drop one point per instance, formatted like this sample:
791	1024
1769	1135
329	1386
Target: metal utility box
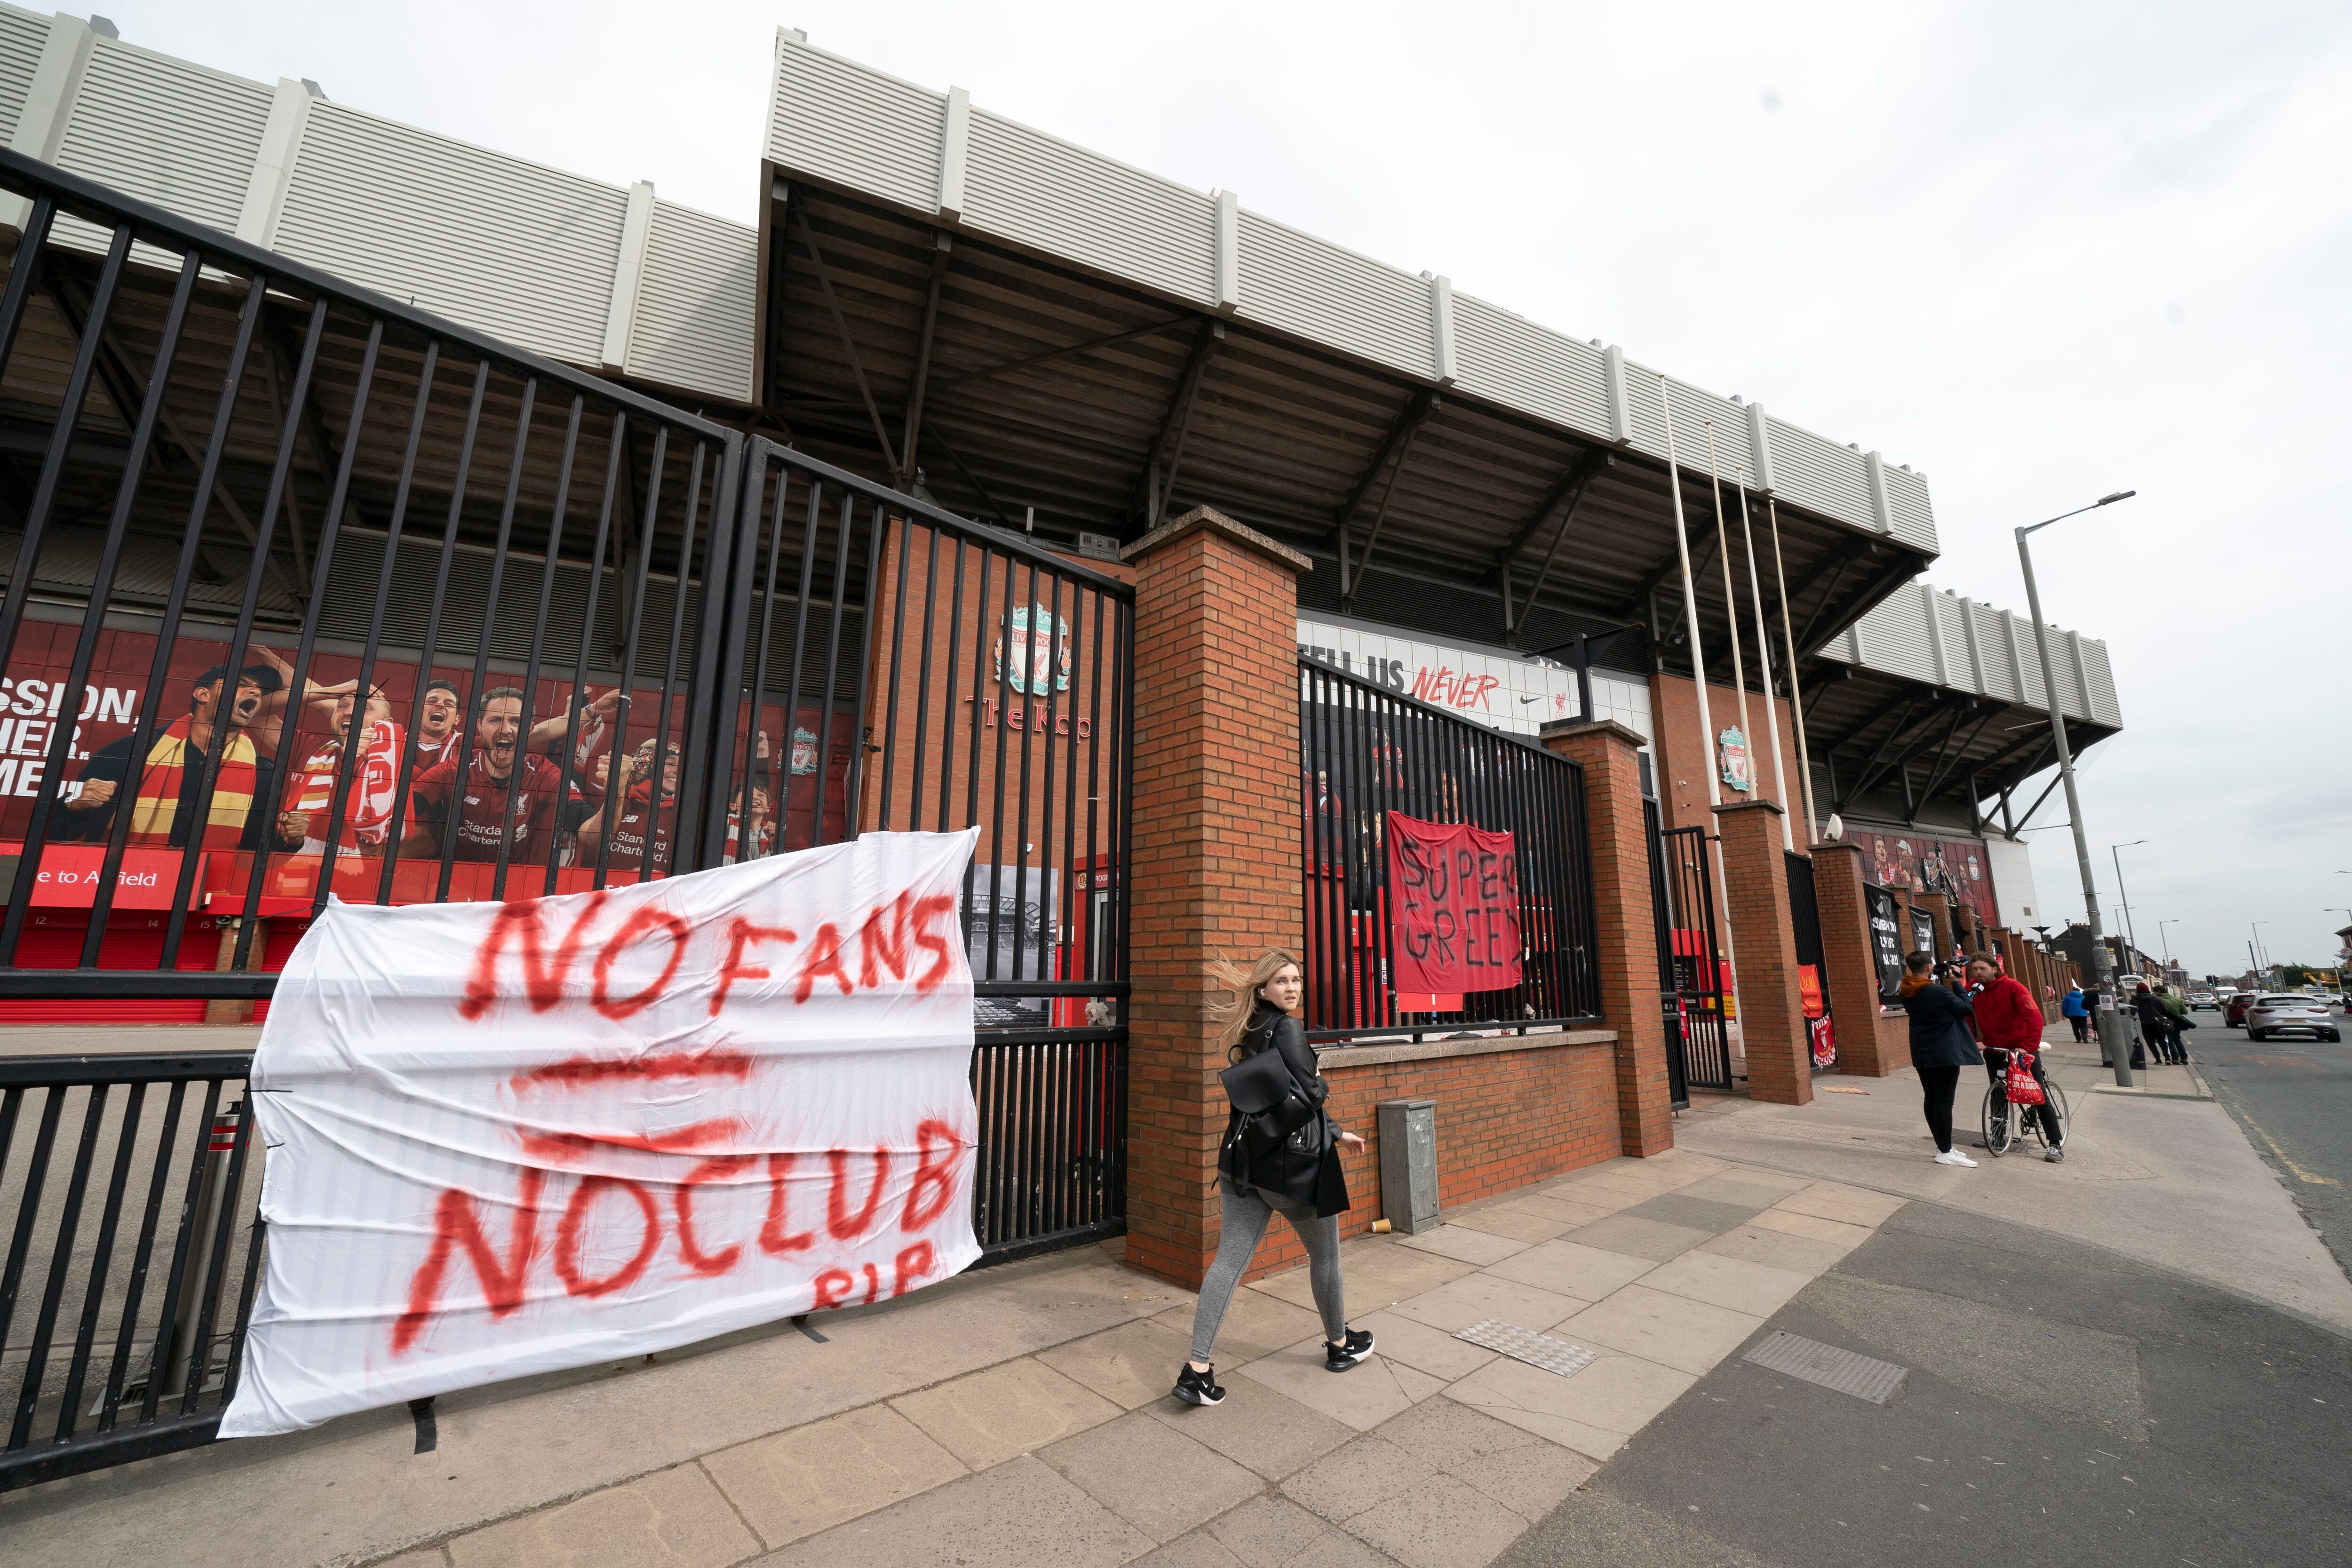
1409	1164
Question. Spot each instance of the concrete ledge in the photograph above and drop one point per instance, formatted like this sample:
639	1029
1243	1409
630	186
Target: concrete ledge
1327	1057
1217	521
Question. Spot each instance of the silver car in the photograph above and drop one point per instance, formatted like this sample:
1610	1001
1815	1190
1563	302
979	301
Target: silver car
2277	1013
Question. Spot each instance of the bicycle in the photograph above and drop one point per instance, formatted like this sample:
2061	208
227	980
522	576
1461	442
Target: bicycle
2001	1114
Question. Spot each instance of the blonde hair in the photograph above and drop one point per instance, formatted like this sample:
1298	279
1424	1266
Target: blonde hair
1232	1013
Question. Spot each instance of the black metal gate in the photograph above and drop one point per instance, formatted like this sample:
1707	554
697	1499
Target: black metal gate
1364	751
312	593
1670	999
1684	892
1805	921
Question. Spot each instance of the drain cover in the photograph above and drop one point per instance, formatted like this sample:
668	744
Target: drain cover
1846	1371
1535	1348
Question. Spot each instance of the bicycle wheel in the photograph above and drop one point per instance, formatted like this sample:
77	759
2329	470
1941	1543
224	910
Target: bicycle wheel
1999	1122
2057	1098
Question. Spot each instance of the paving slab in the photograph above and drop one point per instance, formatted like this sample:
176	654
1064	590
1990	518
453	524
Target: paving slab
799	1482
1418	1345
1456	1305
1523	1472
987	1418
1513	1221
674	1518
1256	1321
1570	1211
1273	1531
1442	1523
1362	1396
1776	1250
1794	1223
1193	1549
1570	1268
1269	1432
1465	1245
1152	1476
1345	1481
1131	1365
1593	1412
1713	1216
1655	1240
1742	1286
1850	1205
1673	1331
1020	1514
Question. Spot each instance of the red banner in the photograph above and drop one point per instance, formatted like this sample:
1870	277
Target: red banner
1455	891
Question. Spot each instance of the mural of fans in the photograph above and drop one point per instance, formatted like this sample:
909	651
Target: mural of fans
476	813
171	790
639	814
367	802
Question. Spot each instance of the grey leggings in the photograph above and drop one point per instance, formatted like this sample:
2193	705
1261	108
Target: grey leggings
1245	1219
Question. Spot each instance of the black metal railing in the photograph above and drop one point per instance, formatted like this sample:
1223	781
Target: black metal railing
1688	922
1669	985
918	672
1364	751
1805	924
344	598
132	1257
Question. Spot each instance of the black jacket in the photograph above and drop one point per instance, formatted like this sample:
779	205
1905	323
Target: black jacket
1941	1036
1308	1172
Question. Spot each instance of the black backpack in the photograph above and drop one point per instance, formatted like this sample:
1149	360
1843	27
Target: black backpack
1274	1108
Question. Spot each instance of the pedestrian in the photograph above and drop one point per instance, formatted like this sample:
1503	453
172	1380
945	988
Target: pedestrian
1941	1044
2155	1024
2175	1036
2010	1024
2077	1011
1301	1180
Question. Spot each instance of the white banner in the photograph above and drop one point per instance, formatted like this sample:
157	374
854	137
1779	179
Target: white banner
509	1139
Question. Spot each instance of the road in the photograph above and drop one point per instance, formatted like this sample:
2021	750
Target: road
2294	1097
2065	1404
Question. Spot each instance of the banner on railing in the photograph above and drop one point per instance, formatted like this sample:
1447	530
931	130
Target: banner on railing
507	1139
1455	892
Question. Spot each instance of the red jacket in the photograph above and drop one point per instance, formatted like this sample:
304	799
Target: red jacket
2007	1016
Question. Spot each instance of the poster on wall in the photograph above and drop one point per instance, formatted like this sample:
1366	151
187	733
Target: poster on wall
1885	942
1917	862
1923	932
1731	746
1455	910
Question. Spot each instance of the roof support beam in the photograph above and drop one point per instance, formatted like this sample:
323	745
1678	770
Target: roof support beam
911	432
1918	743
1937	775
1857	731
1835	569
2055	781
1900	725
1156	485
1904	567
840	325
1417	409
1009	366
1570	491
1349	588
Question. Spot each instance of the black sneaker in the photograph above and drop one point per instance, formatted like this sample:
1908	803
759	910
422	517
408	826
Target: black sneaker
1198	1387
1356	1347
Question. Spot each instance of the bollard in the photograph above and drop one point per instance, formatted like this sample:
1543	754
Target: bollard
1409	1164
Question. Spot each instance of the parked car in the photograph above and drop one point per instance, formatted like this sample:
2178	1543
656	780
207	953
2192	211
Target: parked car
2233	1014
2203	1001
2290	1011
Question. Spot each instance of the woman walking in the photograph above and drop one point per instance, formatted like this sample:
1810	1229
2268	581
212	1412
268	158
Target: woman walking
2078	1013
1299	1180
1941	1044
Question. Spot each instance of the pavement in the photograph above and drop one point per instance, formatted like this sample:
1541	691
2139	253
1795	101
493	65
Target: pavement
2081	1382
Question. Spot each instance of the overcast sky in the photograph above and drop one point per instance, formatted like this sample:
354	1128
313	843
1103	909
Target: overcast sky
2036	252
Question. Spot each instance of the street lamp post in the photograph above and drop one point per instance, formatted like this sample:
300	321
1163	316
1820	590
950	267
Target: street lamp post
2166	942
2123	910
2111	1040
2261	954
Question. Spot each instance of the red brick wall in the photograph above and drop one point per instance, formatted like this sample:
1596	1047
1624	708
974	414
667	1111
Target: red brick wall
1627	926
1680	757
1869	1045
1217	864
1505	1119
1771	1014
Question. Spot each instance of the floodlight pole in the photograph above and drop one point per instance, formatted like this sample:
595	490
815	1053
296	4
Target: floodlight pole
2111	1034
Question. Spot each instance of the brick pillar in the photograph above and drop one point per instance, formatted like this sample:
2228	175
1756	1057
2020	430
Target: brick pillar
1627	935
1849	950
1771	1012
1216	866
